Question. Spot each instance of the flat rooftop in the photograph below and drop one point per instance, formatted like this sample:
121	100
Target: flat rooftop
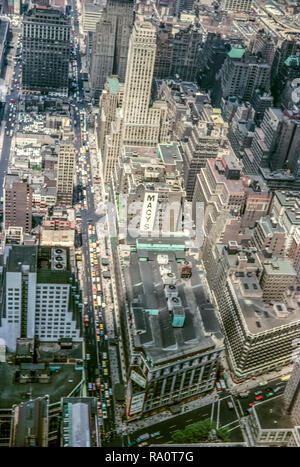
30	424
140	152
169	153
280	266
272	414
259	316
59	386
79	421
147	280
20	256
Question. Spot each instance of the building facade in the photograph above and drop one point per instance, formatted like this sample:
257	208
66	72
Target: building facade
110	46
66	167
17	205
46	51
40	296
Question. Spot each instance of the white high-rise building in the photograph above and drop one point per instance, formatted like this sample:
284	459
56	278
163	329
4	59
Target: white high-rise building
39	296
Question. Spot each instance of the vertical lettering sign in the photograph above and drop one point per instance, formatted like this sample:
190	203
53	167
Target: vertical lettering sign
148	213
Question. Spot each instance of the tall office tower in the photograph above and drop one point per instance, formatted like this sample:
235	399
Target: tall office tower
137	124
236	5
166	7
110	46
207	139
211	57
17	203
241	129
91	15
289	47
30	424
242	73
102	56
259	334
294	252
187	40
138	83
164	52
276	144
41	296
257	155
269	235
111	99
222	187
266	45
286	209
66	167
286	152
46	51
291	395
261	101
289	72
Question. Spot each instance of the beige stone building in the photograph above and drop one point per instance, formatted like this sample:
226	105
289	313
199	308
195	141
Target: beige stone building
66	166
137	122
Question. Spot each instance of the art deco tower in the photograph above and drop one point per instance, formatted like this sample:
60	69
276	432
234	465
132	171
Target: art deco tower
137	123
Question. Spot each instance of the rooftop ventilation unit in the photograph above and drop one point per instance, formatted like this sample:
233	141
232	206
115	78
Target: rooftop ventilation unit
171	291
174	302
169	279
58	259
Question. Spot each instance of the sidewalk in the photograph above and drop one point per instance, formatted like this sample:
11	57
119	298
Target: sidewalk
251	383
167	415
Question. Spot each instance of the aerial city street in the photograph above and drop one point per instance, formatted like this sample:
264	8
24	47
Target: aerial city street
149	223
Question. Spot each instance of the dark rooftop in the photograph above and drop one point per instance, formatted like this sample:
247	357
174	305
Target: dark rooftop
272	414
58	387
151	305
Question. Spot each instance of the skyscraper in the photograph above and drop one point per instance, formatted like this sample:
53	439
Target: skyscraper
242	73
66	167
137	124
291	394
17	203
110	46
40	296
46	51
138	82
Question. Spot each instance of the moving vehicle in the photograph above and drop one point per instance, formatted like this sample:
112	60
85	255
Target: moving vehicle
243	395
143	437
229	404
279	388
223	385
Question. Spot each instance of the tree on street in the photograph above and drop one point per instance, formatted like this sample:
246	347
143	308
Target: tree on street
201	432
